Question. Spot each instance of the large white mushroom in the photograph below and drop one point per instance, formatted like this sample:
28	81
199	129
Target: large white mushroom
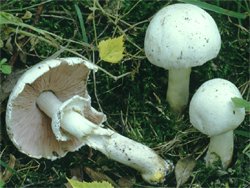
213	113
179	37
49	113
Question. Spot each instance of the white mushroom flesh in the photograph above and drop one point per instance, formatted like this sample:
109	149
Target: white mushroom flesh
212	112
70	118
49	113
27	127
181	36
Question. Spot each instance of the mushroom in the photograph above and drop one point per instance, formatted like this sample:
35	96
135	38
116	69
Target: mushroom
181	36
213	113
49	114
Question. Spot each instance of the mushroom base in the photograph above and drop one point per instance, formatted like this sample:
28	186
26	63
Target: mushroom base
220	148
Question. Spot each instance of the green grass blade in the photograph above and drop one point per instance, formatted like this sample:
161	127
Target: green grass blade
83	30
216	9
242	133
5	165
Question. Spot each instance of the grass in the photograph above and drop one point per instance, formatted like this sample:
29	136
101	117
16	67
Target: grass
135	105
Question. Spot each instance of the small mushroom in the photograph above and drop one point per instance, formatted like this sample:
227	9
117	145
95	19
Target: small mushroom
49	114
213	113
179	37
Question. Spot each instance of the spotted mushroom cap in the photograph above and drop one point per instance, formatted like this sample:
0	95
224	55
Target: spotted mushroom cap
211	109
181	36
27	126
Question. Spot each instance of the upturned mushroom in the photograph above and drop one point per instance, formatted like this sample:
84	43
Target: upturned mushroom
179	37
213	113
49	114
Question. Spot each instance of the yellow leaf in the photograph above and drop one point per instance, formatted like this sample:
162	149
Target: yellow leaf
27	15
94	184
111	50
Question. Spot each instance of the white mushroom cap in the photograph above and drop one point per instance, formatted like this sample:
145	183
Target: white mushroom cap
181	36
28	127
211	109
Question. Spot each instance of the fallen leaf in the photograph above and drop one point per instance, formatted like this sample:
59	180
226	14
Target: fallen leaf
23	57
77	173
68	185
98	176
94	184
126	182
111	50
183	170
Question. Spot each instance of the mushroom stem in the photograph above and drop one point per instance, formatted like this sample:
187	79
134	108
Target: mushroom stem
220	146
48	103
152	167
178	88
115	146
73	122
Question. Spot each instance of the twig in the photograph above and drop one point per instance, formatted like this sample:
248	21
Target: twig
94	80
126	13
13	59
202	152
26	8
111	17
136	24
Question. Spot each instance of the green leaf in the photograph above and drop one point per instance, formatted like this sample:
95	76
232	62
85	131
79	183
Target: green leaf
6	69
241	103
78	184
111	50
216	9
3	61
